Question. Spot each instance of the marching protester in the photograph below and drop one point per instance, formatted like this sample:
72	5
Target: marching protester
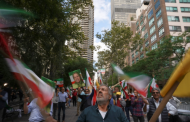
120	102
103	111
69	99
86	99
37	114
55	103
3	99
137	103
173	114
153	104
74	97
128	106
63	98
79	100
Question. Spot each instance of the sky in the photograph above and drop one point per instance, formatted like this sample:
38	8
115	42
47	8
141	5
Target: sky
102	21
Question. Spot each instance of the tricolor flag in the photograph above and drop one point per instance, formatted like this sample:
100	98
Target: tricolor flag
123	84
88	80
72	78
59	82
151	86
101	82
43	91
137	80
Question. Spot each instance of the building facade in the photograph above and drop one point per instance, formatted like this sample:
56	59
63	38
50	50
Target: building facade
157	19
124	10
87	26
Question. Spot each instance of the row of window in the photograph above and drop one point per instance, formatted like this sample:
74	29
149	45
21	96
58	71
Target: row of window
178	28
174	9
180	1
176	19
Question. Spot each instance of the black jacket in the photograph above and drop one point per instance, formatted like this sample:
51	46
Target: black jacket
92	114
86	100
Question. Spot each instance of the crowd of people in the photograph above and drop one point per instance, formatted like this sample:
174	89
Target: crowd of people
110	105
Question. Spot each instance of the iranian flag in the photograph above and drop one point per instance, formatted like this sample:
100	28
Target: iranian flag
123	84
101	82
59	82
79	73
151	86
43	91
137	80
68	90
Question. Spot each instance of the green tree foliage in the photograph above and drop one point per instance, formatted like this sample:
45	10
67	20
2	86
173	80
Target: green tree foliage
162	61
74	64
42	39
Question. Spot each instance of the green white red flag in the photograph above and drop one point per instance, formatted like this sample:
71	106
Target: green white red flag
137	80
59	82
22	73
152	85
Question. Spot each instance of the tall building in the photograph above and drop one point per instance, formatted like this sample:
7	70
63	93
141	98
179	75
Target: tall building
158	19
87	26
124	10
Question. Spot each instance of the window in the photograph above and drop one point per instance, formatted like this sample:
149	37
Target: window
188	38
186	19
184	1
161	40
185	9
137	59
132	55
173	18
153	38
141	18
158	13
170	1
157	5
146	36
142	56
150	14
154	46
187	28
136	53
143	28
161	31
152	29
174	38
147	52
171	9
141	49
146	43
175	28
160	22
133	62
137	28
137	23
141	22
151	21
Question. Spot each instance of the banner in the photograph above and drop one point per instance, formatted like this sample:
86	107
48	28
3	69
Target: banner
76	79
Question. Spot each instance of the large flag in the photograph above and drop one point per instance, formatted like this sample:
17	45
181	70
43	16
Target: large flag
137	80
43	91
59	82
124	87
152	85
88	80
182	75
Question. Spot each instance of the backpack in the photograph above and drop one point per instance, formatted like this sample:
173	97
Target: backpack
122	102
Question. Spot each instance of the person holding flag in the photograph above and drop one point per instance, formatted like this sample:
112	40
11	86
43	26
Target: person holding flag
128	106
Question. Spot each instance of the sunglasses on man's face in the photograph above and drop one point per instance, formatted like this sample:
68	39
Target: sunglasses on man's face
155	92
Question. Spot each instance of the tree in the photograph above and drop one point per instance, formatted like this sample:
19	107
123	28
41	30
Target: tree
42	39
162	61
119	41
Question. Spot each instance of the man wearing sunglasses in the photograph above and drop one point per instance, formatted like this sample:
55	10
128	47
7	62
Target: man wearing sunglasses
153	104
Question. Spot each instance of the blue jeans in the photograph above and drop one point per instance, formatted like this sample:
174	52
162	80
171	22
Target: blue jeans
127	109
61	105
69	102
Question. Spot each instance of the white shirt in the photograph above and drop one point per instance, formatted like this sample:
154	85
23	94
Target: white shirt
157	104
34	109
103	113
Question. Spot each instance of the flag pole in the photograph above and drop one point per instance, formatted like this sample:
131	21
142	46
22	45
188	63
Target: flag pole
164	102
